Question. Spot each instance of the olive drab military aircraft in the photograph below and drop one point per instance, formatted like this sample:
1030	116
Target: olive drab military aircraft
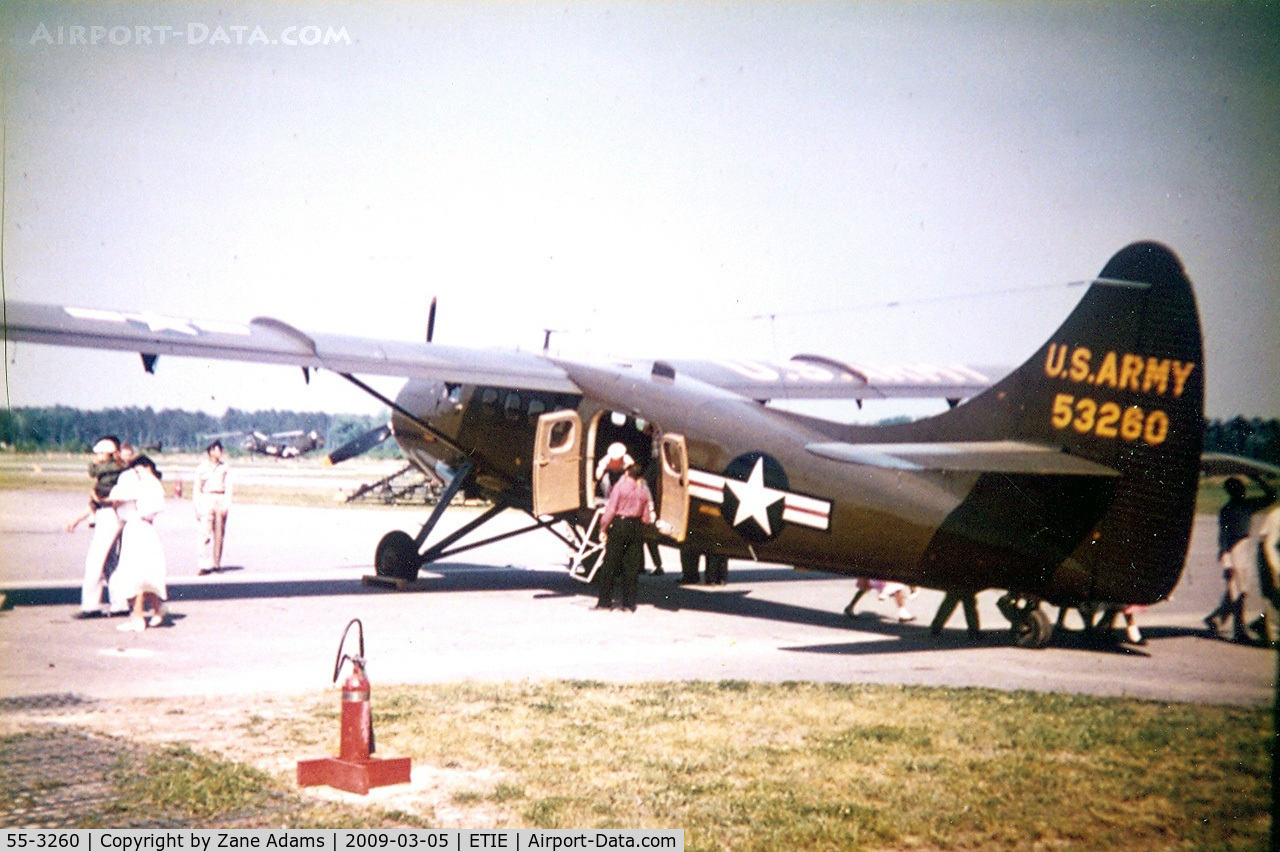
281	445
1071	480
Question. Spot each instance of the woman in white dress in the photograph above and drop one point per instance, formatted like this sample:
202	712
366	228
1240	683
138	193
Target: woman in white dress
140	576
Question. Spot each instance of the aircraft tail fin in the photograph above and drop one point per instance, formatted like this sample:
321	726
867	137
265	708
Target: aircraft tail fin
1120	384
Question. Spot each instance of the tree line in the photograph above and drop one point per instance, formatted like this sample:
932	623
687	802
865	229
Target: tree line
1253	438
73	430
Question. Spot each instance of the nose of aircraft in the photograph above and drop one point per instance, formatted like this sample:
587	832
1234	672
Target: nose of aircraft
425	399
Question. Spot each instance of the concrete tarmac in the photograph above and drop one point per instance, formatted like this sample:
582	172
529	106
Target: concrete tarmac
510	611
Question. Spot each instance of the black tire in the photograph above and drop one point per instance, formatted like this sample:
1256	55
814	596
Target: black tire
397	557
1033	629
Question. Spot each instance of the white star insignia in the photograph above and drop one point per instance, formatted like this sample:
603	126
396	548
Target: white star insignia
754	497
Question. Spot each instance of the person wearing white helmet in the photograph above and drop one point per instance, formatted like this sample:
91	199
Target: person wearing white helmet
610	468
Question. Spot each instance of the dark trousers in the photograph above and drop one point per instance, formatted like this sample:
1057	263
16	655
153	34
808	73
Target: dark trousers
717	569
949	603
654	554
623	561
689	565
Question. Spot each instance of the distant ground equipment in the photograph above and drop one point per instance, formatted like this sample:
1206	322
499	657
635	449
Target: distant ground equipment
407	486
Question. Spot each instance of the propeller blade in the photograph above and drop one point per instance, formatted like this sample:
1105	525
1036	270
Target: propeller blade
431	320
360	444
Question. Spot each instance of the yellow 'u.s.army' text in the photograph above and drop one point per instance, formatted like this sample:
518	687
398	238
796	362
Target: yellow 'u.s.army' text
1119	370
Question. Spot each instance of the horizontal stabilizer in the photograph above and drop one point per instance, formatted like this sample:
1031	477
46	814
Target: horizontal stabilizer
1222	464
969	456
816	377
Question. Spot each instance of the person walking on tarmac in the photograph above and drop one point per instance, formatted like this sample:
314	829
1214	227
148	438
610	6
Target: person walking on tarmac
1269	577
1234	553
628	510
138	497
212	500
105	470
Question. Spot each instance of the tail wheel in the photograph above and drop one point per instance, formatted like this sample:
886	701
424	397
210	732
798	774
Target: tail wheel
397	557
1032	629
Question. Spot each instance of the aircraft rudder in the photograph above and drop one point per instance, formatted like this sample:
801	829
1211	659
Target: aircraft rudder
1121	383
1121	369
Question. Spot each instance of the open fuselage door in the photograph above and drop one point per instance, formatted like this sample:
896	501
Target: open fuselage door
673	513
557	461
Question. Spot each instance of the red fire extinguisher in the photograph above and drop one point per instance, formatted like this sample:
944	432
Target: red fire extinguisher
357	714
354	770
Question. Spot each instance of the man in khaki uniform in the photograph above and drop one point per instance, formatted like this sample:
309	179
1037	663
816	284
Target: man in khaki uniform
212	499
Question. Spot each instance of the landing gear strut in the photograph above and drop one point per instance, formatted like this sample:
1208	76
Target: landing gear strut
1031	627
399	555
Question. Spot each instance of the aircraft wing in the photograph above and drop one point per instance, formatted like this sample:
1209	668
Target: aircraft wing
270	341
816	377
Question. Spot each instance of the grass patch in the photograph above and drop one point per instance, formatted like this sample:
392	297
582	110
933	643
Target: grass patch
744	766
741	766
310	486
176	785
179	778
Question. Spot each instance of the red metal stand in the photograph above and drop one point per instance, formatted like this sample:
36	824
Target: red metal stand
354	770
353	776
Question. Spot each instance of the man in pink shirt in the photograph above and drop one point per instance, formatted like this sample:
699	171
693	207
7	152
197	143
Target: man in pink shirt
629	508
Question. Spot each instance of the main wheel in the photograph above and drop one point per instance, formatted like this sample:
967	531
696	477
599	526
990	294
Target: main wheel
1033	629
397	556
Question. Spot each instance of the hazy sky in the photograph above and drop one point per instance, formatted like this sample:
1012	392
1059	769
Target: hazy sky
649	177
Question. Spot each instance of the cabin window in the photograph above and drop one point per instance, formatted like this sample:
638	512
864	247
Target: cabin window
672	457
562	434
511	406
537	406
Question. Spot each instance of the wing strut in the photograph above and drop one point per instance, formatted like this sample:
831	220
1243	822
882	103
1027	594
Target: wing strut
446	497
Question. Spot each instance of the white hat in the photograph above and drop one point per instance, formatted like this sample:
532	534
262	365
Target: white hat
617	450
106	445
